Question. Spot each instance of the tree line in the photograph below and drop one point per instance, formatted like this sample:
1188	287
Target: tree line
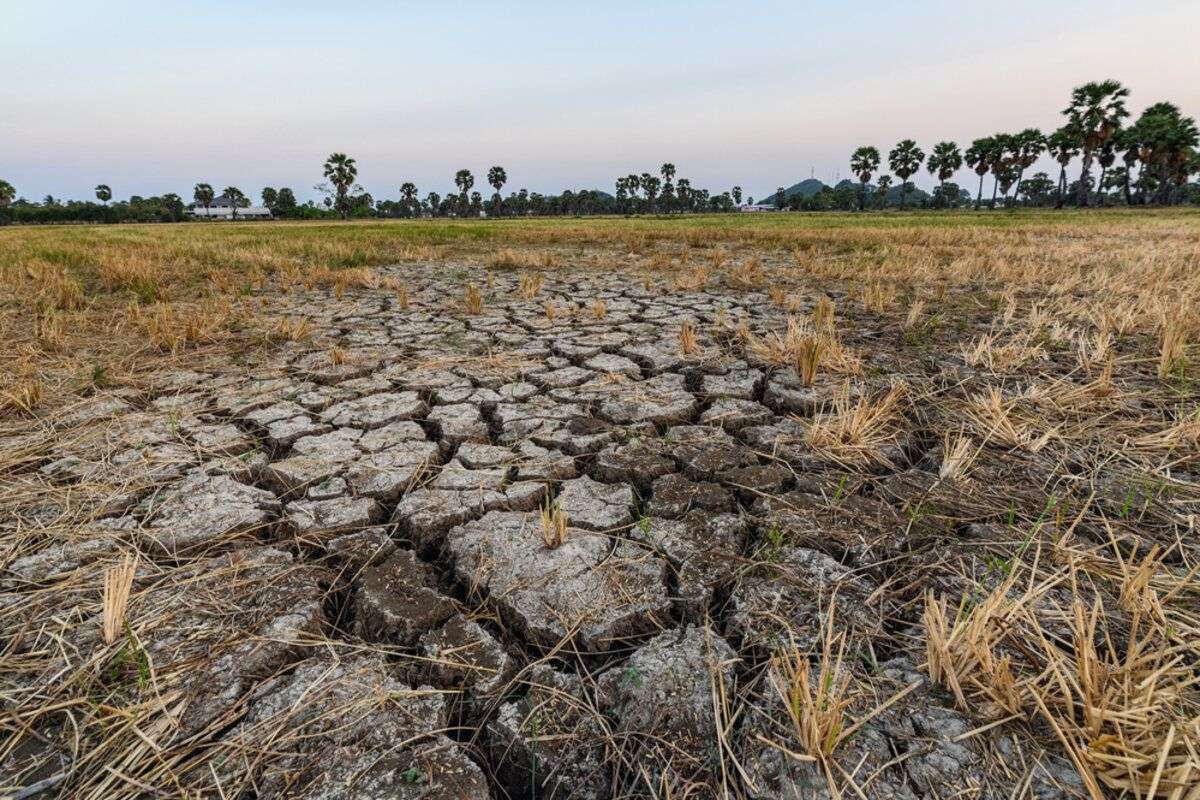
1157	154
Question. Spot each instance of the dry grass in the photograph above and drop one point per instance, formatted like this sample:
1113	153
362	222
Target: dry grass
474	300
858	434
554	525
689	340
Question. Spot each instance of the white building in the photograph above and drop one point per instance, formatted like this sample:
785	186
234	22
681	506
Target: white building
226	212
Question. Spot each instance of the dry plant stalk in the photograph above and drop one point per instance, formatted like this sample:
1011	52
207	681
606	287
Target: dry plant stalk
689	341
599	308
402	297
915	312
748	274
956	457
855	435
474	300
824	313
878	296
808	357
551	311
118	581
554	525
23	397
1172	347
337	356
531	285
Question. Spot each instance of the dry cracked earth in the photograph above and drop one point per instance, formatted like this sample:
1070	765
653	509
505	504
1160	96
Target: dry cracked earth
342	588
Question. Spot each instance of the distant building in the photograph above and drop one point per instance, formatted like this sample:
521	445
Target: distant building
757	207
226	212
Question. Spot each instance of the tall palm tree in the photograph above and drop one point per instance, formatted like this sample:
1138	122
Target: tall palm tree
1000	161
1064	144
945	159
736	192
650	186
237	198
1028	146
408	193
905	159
863	162
979	158
341	170
497	177
103	194
7	193
633	182
1168	141
668	188
203	194
464	180
1096	111
434	200
881	190
1128	144
1105	158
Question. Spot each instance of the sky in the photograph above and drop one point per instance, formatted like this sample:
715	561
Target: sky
153	97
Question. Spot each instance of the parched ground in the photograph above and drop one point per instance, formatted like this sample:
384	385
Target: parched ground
711	515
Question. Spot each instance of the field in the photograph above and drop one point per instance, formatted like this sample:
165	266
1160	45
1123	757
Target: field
742	506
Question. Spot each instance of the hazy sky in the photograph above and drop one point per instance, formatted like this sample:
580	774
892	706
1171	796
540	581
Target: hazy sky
153	97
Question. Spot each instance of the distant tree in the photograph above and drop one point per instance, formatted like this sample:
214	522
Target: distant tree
905	159
1168	144
237	198
203	194
881	190
945	159
1000	161
1027	148
7	193
1096	112
408	193
668	187
780	198
1037	188
341	170
497	177
863	162
1128	143
270	198
476	203
285	203
736	192
1064	144
434	201
979	158
686	195
650	185
103	194
464	180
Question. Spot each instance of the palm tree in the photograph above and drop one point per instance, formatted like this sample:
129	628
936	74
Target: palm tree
945	159
237	198
103	194
979	158
340	170
1028	146
1096	111
408	193
435	202
863	162
203	194
650	186
7	193
881	189
1000	163
668	188
1128	144
780	198
1063	145
736	192
633	182
905	159
464	180
1168	142
497	177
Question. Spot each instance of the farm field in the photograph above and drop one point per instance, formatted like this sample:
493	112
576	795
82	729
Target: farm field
741	506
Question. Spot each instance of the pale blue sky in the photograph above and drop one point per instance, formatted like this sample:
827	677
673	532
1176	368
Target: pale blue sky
153	97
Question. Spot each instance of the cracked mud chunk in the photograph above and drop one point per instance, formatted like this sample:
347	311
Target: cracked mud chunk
203	510
218	438
425	515
673	496
704	452
353	552
786	395
337	729
551	739
542	464
755	481
376	410
458	477
462	655
739	384
733	415
662	699
603	596
703	551
459	423
785	600
388	473
639	462
617	365
315	520
398	600
662	400
596	506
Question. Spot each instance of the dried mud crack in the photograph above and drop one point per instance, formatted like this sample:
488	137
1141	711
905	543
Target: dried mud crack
345	581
